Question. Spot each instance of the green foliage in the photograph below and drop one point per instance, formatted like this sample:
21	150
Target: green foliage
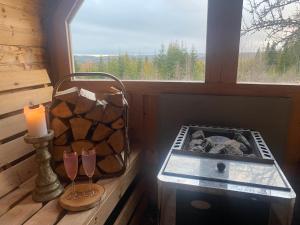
173	63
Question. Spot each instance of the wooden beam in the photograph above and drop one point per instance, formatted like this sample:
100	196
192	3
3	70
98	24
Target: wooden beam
60	52
222	40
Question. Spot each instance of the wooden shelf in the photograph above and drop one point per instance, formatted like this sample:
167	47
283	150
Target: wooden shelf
21	209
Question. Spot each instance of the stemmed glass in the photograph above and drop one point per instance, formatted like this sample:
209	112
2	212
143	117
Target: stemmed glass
71	167
89	164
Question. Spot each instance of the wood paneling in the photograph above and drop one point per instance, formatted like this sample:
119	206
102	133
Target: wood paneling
17	18
15	175
30	6
13	197
18	55
20	37
13	80
14	150
22	98
21	212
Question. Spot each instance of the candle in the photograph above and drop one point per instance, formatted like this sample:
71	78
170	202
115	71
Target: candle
36	121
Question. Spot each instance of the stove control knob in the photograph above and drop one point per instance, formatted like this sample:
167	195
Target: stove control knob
221	166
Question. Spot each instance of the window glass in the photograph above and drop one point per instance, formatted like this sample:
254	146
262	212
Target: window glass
270	42
141	40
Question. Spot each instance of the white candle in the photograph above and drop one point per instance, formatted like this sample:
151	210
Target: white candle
36	121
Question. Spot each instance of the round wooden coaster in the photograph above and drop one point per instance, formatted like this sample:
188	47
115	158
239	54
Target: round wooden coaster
83	201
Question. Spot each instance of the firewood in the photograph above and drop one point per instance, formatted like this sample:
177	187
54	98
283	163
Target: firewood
117	141
103	149
101	132
69	95
118	124
61	140
78	146
61	110
82	172
86	101
111	113
58	152
97	113
115	99
110	164
80	127
60	169
58	126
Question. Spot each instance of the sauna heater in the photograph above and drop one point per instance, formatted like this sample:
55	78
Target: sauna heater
228	176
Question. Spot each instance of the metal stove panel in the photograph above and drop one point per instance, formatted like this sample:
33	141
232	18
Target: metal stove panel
236	172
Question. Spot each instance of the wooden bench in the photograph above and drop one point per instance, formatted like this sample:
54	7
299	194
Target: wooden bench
17	163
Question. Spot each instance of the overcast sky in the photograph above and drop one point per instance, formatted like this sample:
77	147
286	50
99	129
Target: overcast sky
141	27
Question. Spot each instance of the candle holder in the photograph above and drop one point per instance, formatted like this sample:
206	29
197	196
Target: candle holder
47	186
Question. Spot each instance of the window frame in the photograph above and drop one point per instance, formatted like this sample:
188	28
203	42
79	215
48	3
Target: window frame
222	45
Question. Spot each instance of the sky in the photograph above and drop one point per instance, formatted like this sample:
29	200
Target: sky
141	27
138	27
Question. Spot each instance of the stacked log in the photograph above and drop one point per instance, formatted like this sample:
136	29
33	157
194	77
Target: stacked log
81	121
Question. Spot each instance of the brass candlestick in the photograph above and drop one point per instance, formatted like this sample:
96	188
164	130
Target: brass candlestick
47	186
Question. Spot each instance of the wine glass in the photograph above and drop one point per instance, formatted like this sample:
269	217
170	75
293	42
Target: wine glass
89	164
71	167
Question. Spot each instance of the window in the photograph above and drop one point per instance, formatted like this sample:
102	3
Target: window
141	40
270	42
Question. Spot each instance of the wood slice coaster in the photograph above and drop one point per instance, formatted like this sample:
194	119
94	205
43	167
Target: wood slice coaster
83	201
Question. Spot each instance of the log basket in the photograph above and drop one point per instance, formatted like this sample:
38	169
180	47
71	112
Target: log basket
121	156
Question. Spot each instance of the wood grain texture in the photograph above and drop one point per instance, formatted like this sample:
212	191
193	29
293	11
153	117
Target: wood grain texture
14	150
48	215
14	17
21	212
11	199
127	211
21	67
12	125
13	80
22	98
115	188
222	42
20	37
18	55
30	6
15	175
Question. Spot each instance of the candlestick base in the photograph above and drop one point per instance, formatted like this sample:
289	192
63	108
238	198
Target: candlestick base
47	186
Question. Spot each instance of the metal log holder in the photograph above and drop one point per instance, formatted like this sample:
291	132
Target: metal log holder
123	156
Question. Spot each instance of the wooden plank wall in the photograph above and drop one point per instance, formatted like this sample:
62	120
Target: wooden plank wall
23	80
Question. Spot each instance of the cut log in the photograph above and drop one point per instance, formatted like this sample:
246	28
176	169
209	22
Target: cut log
58	152
97	113
69	95
111	113
103	149
61	110
58	126
86	101
117	141
80	128
118	124
110	164
78	146
61	140
82	173
115	99
60	169
101	132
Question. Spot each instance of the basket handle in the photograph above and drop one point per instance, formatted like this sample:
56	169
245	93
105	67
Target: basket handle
90	74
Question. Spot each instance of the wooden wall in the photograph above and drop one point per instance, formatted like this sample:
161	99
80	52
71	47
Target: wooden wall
22	39
23	80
